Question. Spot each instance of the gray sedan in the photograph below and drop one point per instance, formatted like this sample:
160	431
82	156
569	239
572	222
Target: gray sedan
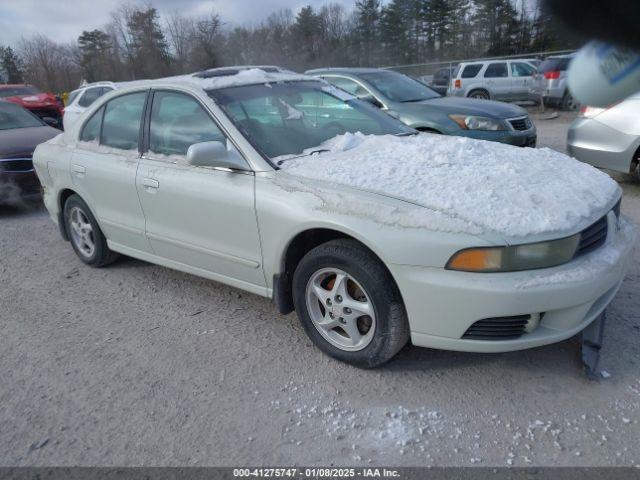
420	107
608	137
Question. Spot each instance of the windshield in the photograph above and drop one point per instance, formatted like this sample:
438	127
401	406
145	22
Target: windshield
399	88
288	118
14	116
18	91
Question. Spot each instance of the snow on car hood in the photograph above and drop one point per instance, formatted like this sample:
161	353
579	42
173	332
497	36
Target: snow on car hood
511	191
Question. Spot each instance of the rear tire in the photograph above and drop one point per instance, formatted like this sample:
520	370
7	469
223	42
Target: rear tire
85	235
479	94
569	103
349	305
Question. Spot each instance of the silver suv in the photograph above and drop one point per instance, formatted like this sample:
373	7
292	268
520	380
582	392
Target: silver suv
507	80
551	83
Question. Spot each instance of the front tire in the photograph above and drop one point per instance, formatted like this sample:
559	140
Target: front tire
85	235
349	305
479	94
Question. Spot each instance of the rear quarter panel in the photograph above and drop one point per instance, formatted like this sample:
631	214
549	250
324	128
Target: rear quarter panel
51	163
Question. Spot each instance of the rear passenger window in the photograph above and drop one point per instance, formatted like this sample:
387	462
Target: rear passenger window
471	71
522	70
121	124
72	97
177	122
496	70
90	96
91	129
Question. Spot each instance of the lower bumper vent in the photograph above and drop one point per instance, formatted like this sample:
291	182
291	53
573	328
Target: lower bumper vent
498	328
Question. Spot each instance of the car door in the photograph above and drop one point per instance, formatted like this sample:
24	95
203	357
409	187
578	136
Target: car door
196	216
498	81
103	169
521	80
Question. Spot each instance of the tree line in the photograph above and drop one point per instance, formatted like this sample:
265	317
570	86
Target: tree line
137	43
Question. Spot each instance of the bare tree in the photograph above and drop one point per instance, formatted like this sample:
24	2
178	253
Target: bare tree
181	36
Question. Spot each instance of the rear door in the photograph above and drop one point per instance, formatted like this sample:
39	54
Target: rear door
498	81
197	216
521	80
103	169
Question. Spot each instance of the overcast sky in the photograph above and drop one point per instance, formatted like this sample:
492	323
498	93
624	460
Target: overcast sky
64	20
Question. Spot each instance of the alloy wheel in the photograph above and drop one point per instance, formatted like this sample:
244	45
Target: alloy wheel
340	309
82	232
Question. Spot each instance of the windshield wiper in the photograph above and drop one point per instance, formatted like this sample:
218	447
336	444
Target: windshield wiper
319	150
407	134
414	100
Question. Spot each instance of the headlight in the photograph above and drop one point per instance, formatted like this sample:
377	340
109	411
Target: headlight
514	258
472	122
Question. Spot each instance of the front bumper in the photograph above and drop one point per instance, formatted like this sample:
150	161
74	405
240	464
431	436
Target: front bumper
442	304
526	138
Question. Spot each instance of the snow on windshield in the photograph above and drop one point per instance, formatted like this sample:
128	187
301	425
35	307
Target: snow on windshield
508	190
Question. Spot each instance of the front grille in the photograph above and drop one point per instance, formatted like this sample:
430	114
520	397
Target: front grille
592	237
16	165
498	328
521	123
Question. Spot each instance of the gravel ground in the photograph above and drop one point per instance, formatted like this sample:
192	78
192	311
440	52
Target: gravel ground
141	365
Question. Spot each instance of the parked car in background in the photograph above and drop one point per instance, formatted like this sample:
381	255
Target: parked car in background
20	133
45	105
505	80
608	137
551	83
422	108
287	187
83	97
442	79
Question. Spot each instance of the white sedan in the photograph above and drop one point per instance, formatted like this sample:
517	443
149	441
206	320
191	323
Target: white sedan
287	187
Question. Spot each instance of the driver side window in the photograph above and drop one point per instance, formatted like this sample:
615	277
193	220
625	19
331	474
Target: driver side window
348	85
177	122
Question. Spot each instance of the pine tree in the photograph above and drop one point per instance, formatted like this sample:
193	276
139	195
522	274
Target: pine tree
94	47
306	31
367	15
11	65
148	44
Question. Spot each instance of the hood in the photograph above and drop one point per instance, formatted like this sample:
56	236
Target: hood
19	142
34	100
490	187
469	106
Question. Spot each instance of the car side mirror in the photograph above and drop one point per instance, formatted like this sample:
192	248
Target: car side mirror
372	100
216	155
52	122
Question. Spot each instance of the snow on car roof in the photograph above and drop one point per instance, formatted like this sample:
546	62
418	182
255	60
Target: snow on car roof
225	77
512	191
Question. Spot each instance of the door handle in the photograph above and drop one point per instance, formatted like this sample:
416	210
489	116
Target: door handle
150	183
79	170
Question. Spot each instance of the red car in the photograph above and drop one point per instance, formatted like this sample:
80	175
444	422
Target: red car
45	105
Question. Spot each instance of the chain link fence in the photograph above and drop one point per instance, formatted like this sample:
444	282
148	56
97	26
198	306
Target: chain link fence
426	71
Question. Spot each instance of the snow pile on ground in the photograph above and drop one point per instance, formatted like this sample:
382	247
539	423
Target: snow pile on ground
511	191
600	261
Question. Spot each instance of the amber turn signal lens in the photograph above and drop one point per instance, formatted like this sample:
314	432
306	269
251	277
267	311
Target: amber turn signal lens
475	260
